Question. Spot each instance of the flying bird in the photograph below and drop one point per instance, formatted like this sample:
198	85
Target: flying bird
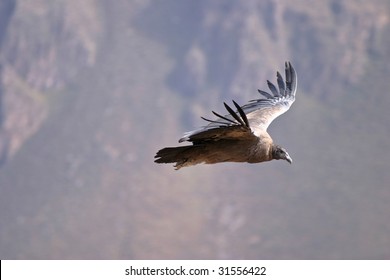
240	136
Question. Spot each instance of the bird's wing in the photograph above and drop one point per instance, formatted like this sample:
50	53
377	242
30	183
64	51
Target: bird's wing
261	112
236	132
234	127
253	118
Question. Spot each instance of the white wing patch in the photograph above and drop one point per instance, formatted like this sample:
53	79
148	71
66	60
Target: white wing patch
258	113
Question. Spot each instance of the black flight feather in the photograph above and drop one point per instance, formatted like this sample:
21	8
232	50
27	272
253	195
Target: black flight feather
234	114
273	88
264	93
280	83
242	114
222	117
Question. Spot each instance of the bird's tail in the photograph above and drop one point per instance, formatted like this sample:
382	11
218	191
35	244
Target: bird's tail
182	156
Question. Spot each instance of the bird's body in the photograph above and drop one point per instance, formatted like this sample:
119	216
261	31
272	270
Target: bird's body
217	151
240	136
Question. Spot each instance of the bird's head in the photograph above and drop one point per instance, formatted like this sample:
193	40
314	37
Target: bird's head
280	153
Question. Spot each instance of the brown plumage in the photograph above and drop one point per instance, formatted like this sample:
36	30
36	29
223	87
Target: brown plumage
240	136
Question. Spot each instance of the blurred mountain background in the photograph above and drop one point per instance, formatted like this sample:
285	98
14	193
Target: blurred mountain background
90	90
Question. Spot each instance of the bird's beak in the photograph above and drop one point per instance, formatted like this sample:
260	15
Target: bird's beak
288	158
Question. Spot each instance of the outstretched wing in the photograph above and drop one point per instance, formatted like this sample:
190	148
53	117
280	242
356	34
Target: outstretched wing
234	126
262	112
253	118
